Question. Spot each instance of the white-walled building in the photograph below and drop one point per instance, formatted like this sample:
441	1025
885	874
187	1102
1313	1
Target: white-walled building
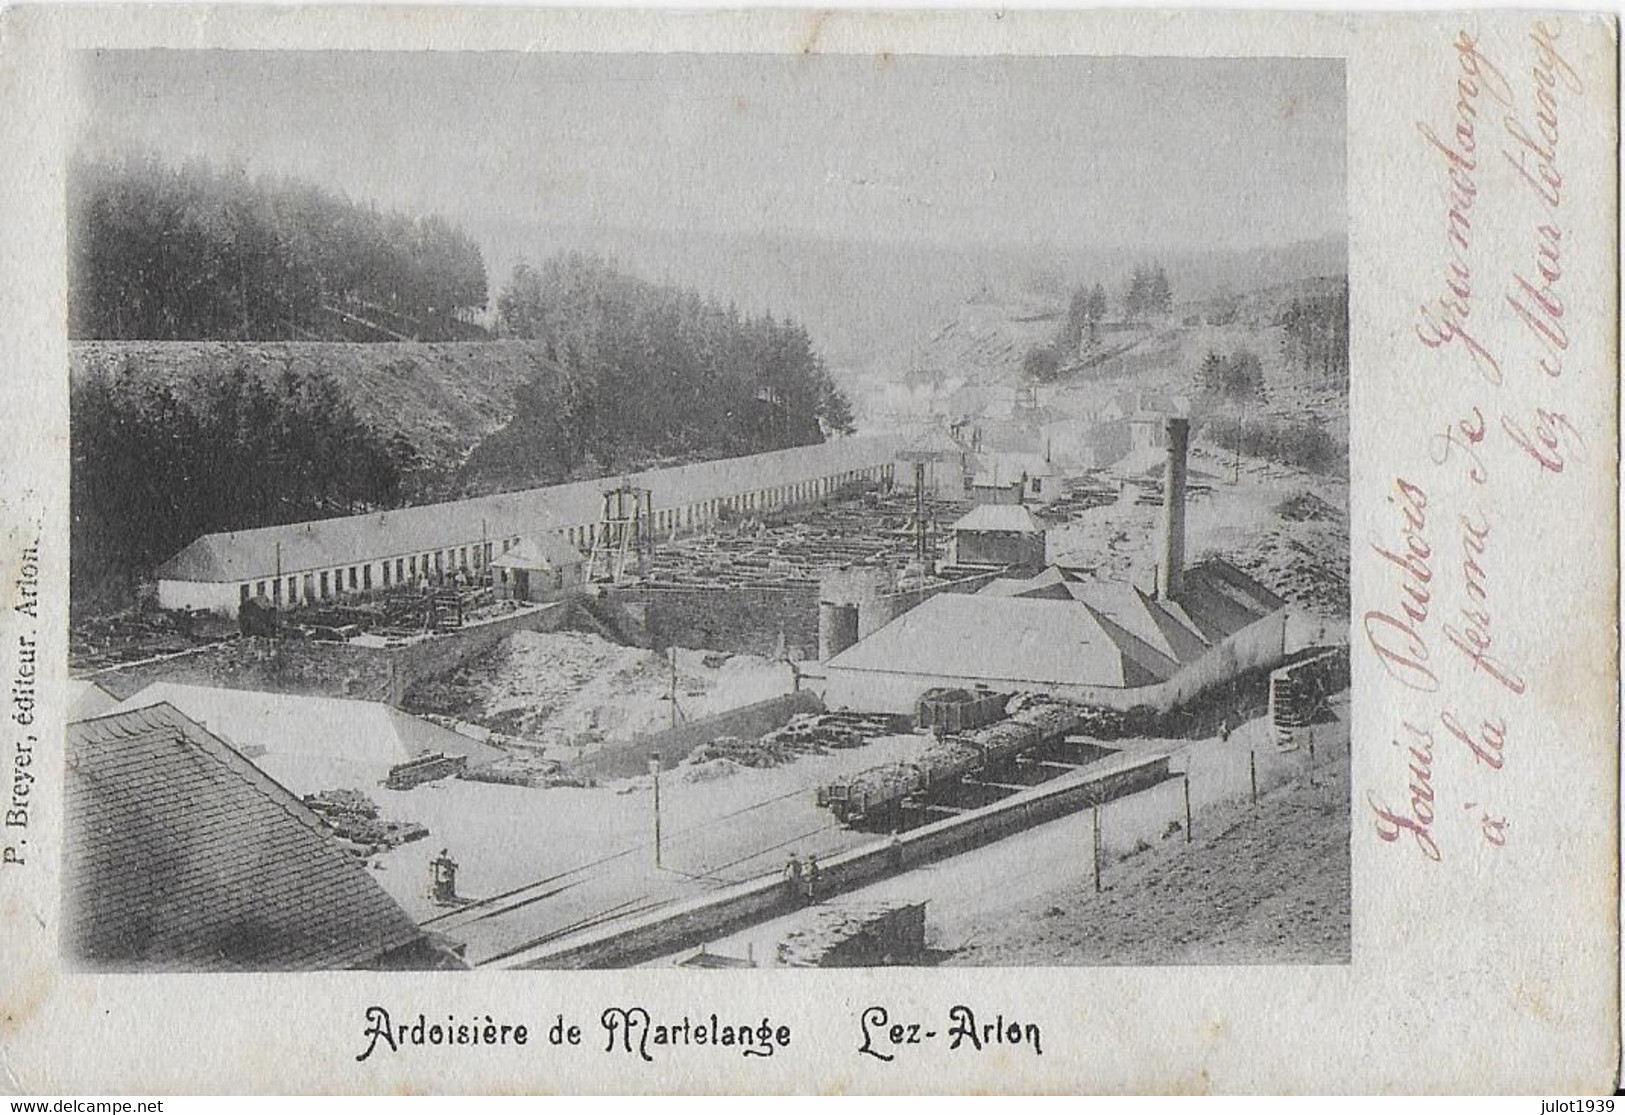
323	560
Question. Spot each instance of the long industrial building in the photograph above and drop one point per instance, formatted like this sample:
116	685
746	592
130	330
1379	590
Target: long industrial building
321	560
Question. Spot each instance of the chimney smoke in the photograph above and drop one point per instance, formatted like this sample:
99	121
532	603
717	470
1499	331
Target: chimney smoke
1171	570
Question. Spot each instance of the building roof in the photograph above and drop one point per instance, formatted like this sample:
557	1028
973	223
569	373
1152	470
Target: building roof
1006	641
1011	518
247	555
181	855
934	444
1218	599
87	699
1051	584
309	744
547	551
999	469
1053	629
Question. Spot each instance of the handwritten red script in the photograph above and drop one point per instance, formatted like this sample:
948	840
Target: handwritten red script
1440	604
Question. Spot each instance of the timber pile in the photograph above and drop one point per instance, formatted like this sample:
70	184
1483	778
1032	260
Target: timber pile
1033	721
139	633
1304	507
805	734
353	816
523	767
798	545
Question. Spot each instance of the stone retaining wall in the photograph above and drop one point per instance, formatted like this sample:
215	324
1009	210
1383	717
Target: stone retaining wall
323	669
692	922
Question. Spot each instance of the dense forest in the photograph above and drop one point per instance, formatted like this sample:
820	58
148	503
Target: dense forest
1147	293
625	373
635	372
184	253
1317	335
154	467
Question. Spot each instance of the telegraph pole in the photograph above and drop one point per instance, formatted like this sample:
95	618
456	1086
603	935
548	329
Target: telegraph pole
672	654
1096	812
654	772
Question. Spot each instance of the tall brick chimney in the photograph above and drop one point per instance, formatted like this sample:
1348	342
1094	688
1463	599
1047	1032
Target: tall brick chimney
1171	569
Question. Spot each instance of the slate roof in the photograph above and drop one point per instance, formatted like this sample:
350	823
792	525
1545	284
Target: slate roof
1053	629
248	555
1008	517
309	744
180	855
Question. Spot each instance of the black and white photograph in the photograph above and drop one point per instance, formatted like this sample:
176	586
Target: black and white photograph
707	510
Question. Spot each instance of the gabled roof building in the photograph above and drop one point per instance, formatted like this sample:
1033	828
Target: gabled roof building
1097	642
300	562
181	855
1108	643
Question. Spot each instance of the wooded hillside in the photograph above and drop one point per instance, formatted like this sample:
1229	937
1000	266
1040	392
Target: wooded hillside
636	372
164	253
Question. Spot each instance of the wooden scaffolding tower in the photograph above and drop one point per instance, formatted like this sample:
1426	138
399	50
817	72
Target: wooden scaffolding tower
623	542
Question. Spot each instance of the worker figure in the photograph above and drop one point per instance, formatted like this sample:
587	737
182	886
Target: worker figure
894	851
812	879
792	878
1224	730
443	878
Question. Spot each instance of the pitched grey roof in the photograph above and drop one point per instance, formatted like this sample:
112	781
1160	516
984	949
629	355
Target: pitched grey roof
1005	517
1094	633
1006	640
180	855
547	551
247	555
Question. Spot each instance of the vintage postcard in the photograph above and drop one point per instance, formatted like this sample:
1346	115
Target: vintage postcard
774	551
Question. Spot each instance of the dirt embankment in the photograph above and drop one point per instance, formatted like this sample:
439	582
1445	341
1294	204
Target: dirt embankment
1271	888
443	398
581	690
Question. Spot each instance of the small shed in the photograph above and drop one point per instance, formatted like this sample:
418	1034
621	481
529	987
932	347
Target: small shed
998	535
937	460
542	568
1016	478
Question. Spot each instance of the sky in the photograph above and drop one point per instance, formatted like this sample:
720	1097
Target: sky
1194	154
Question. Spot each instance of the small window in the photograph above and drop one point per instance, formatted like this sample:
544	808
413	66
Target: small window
400	570
324	584
383	571
242	592
352	577
259	590
413	560
1038	486
366	575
